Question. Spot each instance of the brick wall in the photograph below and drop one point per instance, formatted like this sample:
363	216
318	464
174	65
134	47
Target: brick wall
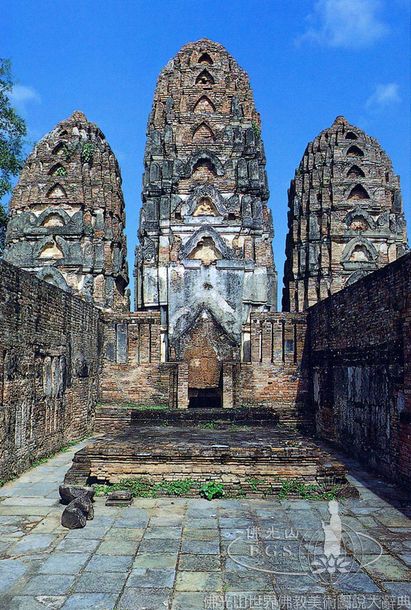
132	368
272	375
360	341
276	374
49	363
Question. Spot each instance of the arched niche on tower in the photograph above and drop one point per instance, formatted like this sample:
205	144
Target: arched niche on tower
358	192
204	171
57	169
204	105
359	252
205	158
203	134
52	221
200	195
60	149
206	251
205	207
205	58
155	172
52	248
53	276
214	245
205	78
355	172
52	218
355	151
363	219
56	192
187	318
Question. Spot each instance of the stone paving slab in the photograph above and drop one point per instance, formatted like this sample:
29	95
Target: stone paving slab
182	554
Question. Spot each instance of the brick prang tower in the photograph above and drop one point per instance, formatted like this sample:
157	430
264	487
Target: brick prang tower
206	231
345	215
67	215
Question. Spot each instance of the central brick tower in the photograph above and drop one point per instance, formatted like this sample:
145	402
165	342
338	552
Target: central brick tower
205	256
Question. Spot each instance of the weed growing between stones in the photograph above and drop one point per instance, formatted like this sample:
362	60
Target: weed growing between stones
209	425
145	488
211	490
257	130
296	489
61	171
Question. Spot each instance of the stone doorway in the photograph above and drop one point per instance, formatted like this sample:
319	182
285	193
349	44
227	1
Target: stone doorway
204	364
204	398
205	383
205	347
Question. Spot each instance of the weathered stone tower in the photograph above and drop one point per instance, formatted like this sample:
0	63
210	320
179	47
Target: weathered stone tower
205	255
345	215
67	215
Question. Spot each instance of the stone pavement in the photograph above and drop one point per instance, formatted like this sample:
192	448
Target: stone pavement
189	554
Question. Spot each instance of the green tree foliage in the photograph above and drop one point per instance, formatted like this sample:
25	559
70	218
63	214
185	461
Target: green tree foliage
12	133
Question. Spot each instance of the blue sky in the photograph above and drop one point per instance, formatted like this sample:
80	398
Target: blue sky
308	61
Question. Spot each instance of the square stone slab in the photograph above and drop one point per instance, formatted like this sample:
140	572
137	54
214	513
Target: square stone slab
157	560
39	602
64	563
194	601
197	563
201	547
386	568
149	599
49	584
153	578
117	547
158	545
165	533
94	582
77	545
109	563
198	581
94	601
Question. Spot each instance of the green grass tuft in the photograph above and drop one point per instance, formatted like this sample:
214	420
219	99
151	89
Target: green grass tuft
209	425
306	491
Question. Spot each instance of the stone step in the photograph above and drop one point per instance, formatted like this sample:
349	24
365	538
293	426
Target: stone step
271	455
117	417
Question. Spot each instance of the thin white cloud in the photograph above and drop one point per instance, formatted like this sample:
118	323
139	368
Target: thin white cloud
349	24
22	95
384	95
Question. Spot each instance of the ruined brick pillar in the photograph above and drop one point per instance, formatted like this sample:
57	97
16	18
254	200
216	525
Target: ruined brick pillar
67	215
228	385
345	215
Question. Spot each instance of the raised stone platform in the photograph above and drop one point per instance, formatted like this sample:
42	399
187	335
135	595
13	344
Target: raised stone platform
116	417
236	457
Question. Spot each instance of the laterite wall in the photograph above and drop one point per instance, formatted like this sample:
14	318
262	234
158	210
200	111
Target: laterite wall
360	341
49	365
